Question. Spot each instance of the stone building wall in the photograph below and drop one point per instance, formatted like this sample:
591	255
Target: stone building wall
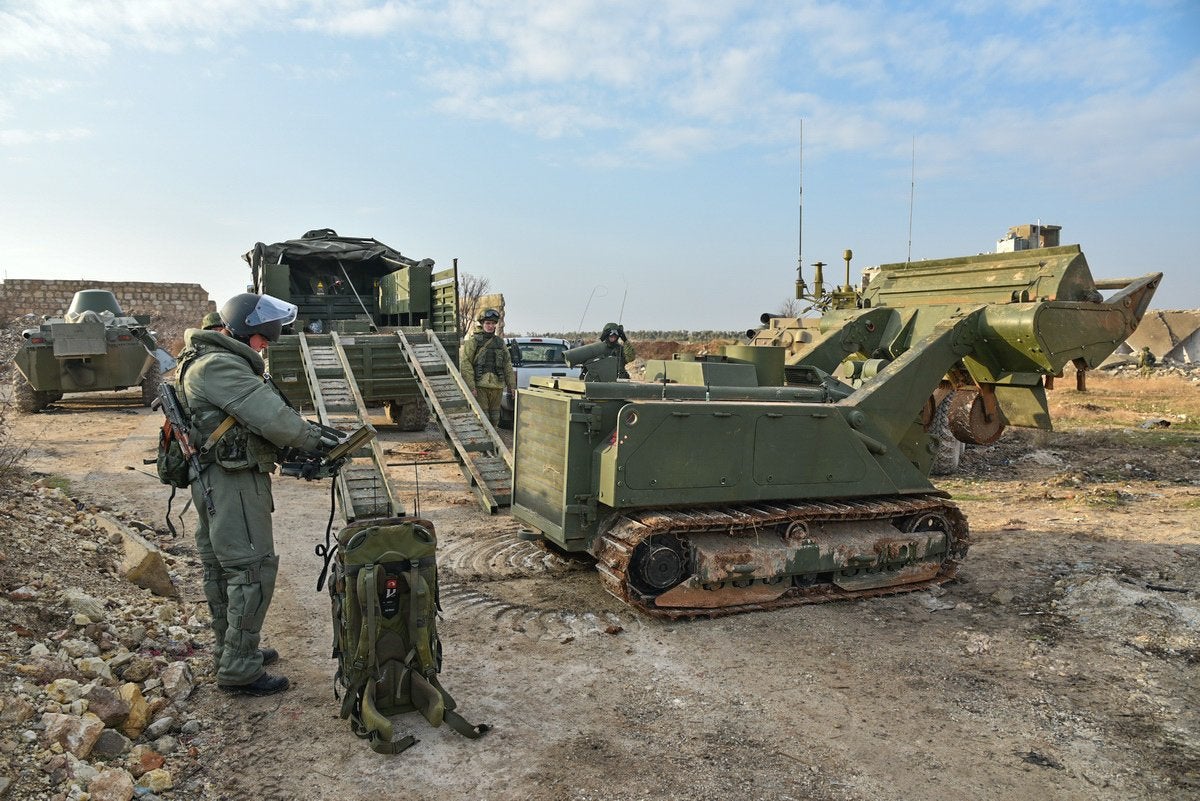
20	296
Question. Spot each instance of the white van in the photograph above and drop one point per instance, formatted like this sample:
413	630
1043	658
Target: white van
534	356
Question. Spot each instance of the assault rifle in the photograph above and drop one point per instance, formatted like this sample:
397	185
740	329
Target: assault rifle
169	402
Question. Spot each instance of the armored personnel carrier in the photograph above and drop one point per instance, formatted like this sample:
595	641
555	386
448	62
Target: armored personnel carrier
353	293
94	347
780	474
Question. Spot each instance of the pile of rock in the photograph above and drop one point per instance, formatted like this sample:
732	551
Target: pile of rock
11	341
102	669
1188	370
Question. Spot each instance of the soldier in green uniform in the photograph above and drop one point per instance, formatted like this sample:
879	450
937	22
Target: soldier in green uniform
242	422
614	337
1146	359
486	365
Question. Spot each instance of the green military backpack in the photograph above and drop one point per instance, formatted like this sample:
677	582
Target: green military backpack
384	591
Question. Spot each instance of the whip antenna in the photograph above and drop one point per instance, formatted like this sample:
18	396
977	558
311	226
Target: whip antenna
800	221
416	490
912	190
801	287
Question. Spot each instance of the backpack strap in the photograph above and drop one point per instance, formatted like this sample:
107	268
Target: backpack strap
427	693
365	718
418	620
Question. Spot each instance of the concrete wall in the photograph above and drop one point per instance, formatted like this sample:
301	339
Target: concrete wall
19	296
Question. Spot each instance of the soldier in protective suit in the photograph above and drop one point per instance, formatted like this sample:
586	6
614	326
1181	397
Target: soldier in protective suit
486	365
614	337
242	422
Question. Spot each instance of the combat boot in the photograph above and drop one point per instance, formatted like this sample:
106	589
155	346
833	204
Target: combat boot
266	684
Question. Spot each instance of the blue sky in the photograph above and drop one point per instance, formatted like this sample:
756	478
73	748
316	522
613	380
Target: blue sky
644	153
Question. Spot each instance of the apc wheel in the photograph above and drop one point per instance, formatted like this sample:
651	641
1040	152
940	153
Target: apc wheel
26	398
150	384
411	416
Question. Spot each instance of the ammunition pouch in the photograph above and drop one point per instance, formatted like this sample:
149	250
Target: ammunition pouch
237	448
171	464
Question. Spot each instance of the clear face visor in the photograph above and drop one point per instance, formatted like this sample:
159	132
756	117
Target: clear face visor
272	310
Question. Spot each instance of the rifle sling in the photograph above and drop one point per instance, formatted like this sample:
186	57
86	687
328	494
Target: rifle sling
226	424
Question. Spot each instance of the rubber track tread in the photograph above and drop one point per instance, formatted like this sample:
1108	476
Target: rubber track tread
614	548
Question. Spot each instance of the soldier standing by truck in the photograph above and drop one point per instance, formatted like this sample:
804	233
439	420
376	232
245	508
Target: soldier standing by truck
243	421
486	365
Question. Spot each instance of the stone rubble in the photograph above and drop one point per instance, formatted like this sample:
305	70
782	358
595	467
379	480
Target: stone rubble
98	671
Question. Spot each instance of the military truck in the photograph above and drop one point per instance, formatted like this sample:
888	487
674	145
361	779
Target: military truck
357	291
775	475
94	347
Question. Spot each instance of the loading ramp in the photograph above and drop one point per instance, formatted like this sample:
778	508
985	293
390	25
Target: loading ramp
485	461
363	489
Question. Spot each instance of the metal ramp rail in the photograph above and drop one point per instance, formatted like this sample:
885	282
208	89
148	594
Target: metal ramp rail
484	459
363	489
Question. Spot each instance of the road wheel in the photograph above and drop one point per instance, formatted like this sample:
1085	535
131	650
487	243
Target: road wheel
150	384
26	398
949	450
410	416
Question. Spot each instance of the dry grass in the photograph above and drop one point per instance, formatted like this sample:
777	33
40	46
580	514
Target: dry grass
1125	401
12	449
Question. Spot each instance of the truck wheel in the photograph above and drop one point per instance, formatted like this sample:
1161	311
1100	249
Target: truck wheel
26	397
949	450
411	416
150	384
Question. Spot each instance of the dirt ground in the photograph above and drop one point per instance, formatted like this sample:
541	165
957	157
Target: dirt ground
1062	665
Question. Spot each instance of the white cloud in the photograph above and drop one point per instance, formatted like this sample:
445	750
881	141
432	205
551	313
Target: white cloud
674	143
46	30
677	78
355	19
14	137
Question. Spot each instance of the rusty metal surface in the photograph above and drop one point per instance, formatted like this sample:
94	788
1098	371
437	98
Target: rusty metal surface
614	549
970	420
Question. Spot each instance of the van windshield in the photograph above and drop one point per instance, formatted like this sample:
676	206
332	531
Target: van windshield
540	353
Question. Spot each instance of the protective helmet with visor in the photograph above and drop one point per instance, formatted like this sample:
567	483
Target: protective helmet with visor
489	316
248	314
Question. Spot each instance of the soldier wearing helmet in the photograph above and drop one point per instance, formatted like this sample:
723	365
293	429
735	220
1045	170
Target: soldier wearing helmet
613	335
486	365
242	421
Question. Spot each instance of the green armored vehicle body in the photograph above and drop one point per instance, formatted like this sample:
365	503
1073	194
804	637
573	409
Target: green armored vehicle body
354	293
94	347
776	475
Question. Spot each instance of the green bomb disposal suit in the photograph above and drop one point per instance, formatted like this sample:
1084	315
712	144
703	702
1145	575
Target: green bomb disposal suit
220	377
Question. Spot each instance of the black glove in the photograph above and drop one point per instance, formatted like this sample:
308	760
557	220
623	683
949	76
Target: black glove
330	439
314	469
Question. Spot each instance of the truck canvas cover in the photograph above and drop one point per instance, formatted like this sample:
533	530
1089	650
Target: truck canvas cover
322	252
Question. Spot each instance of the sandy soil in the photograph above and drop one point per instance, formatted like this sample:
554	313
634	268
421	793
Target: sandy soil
1063	664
